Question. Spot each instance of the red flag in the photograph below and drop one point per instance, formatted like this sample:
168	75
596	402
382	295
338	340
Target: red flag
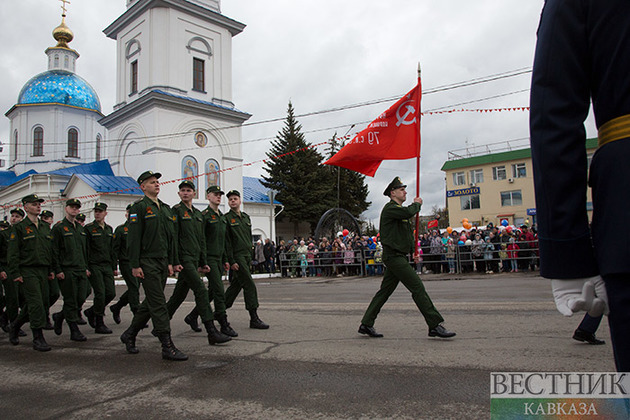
432	224
393	135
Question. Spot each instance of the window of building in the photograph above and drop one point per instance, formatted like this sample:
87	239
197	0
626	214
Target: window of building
499	173
73	143
38	141
519	170
476	176
511	198
459	178
190	170
198	75
469	202
98	147
134	77
15	145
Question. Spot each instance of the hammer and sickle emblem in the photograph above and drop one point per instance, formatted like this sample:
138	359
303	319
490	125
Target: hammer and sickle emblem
409	111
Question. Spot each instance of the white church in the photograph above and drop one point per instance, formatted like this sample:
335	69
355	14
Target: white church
174	114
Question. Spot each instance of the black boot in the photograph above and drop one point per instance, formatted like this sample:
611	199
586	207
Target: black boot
169	351
128	338
49	325
115	308
89	314
4	322
39	343
225	326
75	332
101	328
14	329
255	322
58	322
81	321
214	336
191	319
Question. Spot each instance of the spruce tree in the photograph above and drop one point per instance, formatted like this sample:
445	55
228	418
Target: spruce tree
296	172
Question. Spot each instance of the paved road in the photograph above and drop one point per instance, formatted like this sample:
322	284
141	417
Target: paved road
311	364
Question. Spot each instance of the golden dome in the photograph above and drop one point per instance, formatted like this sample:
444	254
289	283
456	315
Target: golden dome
62	34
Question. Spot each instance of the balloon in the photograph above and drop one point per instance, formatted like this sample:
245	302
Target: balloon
345	232
464	221
463	238
339	233
449	230
509	229
467	225
374	238
504	223
460	243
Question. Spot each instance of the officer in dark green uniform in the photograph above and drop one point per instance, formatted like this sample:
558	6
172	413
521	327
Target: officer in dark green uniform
215	229
30	266
398	242
102	266
52	294
4	244
239	253
88	289
132	294
151	254
12	297
190	257
71	269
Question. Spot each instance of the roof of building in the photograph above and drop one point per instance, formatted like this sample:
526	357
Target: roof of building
111	184
9	177
499	157
100	167
59	87
255	192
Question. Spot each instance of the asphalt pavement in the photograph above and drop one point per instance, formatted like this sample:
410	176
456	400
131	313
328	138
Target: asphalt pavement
311	363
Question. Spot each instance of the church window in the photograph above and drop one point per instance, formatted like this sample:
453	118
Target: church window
134	77
56	60
98	147
190	171
38	141
73	143
66	63
15	145
198	75
212	171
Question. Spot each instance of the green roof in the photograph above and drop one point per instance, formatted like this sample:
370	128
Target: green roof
499	157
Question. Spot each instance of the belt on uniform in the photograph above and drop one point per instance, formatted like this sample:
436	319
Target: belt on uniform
615	129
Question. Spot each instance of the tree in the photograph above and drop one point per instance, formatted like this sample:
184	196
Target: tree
348	188
295	170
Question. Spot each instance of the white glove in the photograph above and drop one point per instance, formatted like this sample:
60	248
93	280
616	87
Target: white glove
586	294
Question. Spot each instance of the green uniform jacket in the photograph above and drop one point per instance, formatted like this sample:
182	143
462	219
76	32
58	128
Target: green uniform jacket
29	246
151	232
397	229
69	247
119	245
189	235
239	236
100	244
4	248
215	230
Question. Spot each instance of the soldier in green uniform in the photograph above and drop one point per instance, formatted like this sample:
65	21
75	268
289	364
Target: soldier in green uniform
151	254
29	259
12	297
71	269
239	253
132	294
190	260
80	321
398	242
52	294
4	244
215	229
102	266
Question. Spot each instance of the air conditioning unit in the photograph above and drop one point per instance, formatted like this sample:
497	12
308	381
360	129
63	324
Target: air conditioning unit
472	184
510	180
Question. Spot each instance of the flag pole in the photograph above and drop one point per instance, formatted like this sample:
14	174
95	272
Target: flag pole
418	112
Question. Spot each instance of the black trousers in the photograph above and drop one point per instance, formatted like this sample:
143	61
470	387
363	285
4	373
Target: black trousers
618	290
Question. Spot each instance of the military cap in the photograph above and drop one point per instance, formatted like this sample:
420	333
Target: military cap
100	206
18	211
396	183
32	198
233	192
148	174
187	183
73	202
81	217
4	224
46	213
214	188
128	207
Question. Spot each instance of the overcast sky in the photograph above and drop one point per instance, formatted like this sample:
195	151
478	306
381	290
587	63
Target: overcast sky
325	54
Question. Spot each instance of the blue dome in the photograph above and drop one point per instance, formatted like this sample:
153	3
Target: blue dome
59	87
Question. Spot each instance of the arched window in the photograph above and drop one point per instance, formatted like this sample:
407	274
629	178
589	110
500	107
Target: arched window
190	169
73	143
15	145
98	147
38	141
212	171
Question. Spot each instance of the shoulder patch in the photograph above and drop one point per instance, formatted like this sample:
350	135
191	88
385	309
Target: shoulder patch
133	218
